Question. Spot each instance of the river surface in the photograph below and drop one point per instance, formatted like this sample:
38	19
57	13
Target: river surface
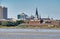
29	30
29	33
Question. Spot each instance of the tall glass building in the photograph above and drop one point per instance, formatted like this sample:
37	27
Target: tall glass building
3	12
22	16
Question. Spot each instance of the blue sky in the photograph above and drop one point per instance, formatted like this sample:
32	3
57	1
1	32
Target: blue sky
46	8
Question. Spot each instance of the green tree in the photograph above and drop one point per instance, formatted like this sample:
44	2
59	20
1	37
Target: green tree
19	22
9	23
0	22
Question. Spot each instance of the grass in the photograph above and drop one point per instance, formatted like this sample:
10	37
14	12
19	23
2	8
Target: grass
33	27
7	27
39	27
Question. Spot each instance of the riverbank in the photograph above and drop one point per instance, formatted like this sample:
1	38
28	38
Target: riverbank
31	27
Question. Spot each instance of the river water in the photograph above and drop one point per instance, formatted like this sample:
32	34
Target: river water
29	30
29	33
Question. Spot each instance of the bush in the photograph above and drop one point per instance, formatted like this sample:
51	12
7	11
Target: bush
41	21
11	23
4	23
19	22
8	23
0	22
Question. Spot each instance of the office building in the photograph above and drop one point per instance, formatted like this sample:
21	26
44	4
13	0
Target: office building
22	16
3	12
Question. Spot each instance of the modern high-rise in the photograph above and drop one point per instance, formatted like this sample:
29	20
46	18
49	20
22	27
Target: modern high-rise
22	16
3	12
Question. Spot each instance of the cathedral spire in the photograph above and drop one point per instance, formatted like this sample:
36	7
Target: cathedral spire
36	15
36	12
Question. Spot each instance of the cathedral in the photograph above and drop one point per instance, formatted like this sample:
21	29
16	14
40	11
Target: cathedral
43	21
36	20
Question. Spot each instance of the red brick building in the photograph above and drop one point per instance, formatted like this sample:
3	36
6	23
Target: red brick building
34	22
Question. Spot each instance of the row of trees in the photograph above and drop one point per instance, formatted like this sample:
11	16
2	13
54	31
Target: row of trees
11	23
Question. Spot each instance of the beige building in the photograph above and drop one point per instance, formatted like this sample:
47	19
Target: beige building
1	13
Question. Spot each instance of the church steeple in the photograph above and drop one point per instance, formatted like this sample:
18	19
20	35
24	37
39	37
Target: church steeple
36	15
36	12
